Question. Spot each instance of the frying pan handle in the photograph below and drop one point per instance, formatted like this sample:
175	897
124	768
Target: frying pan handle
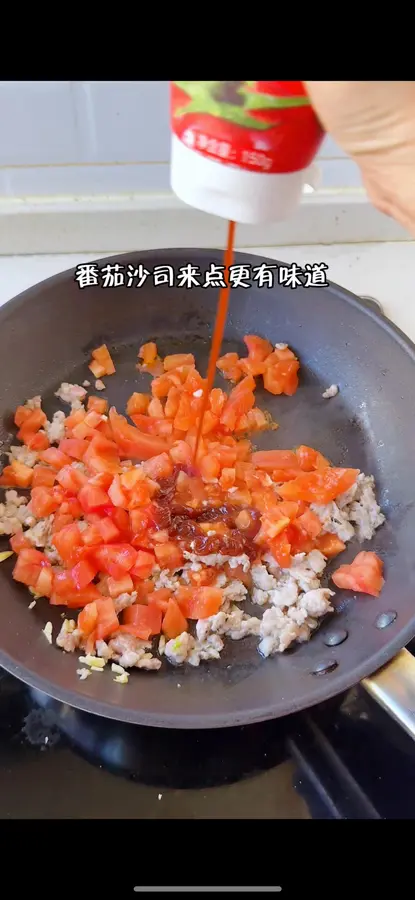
393	687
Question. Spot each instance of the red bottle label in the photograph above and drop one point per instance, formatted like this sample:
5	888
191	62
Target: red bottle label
259	126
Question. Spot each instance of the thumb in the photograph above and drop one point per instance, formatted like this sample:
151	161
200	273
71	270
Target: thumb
374	123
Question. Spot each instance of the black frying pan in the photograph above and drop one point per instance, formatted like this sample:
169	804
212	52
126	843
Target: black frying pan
46	335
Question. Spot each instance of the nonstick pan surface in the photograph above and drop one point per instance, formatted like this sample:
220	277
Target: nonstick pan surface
46	336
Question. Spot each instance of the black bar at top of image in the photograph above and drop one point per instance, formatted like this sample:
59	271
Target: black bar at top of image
207	889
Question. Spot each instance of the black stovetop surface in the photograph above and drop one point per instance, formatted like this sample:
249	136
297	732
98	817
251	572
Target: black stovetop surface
343	759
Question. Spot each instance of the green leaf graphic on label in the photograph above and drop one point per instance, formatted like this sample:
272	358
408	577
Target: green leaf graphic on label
225	111
198	88
268	101
214	98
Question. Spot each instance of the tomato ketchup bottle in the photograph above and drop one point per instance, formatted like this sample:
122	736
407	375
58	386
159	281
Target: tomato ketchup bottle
242	150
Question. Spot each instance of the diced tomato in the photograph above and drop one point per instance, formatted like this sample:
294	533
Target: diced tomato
270	529
44	584
168	555
200	603
98	405
21	415
229	367
37	442
19	542
22	474
116	559
83	431
73	447
88	619
55	458
240	401
282	378
92	497
258	348
364	575
268	460
238	574
299	539
139	496
32	424
209	467
177	360
102	455
7	477
137	403
148	353
121	519
108	530
160	597
92	536
185	416
43	476
155	409
159	466
204	577
66	542
329	545
280	548
63	583
123	586
321	486
79	599
34	556
102	356
43	502
131	478
102	480
71	505
83	573
59	494
142	621
310	522
174	622
96	368
144	564
161	386
28	566
309	459
61	520
107	622
131	442
139	521
75	418
71	479
116	493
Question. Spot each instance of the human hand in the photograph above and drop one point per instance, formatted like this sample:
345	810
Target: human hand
374	123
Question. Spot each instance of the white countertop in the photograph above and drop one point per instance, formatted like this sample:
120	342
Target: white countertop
385	271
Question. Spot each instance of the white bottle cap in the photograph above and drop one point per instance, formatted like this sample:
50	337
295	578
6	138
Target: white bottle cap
233	193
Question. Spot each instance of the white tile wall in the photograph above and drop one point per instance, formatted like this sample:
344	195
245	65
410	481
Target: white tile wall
71	138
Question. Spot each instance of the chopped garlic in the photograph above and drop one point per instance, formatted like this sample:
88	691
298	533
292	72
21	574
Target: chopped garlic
330	391
99	385
83	673
47	631
5	555
86	383
117	669
32	604
95	662
122	679
198	393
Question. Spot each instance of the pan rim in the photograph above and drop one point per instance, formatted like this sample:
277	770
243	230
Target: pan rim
341	682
